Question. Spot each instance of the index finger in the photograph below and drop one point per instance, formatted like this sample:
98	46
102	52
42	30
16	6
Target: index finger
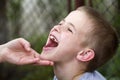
25	44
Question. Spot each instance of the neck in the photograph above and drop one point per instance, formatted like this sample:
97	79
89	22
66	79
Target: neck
68	71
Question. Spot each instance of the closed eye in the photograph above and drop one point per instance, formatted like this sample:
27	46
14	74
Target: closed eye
60	24
69	30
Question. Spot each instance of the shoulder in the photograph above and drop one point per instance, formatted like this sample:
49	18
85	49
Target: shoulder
55	78
95	75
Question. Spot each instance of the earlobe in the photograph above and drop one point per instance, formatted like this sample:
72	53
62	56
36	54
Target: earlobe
85	55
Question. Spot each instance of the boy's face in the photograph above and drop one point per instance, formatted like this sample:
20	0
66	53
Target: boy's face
64	40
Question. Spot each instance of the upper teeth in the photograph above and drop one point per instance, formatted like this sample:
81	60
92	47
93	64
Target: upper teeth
53	38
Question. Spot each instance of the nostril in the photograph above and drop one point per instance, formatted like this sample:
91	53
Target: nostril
56	28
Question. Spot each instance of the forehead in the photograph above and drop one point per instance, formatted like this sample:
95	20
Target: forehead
78	19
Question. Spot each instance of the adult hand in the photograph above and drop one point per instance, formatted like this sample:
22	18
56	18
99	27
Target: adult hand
18	51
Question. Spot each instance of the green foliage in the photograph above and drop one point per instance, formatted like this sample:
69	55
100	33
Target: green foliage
111	70
14	15
116	23
37	72
28	72
39	41
57	11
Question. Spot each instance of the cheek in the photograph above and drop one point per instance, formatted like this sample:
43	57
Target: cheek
68	50
69	41
68	47
65	55
67	38
64	35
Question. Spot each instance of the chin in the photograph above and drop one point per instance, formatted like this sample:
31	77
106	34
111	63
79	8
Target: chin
46	55
51	47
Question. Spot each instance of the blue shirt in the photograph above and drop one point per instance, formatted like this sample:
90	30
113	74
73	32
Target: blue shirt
89	76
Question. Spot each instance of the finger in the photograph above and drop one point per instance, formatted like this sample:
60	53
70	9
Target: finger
25	44
35	54
29	61
27	47
45	63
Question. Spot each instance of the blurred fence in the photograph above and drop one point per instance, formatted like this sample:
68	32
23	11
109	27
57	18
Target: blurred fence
32	20
35	17
110	9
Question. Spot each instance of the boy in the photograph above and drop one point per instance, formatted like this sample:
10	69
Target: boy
82	42
18	51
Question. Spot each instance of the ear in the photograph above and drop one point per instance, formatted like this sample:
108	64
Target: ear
85	55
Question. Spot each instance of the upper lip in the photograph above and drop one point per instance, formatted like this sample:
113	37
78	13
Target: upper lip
53	37
52	41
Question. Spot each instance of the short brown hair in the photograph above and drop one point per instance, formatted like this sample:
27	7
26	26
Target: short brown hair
102	38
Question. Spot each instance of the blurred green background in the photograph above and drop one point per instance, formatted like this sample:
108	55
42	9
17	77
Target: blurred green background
33	19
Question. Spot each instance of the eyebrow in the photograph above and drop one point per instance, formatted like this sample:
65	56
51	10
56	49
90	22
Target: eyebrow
69	23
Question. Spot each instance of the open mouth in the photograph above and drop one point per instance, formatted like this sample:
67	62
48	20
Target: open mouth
52	42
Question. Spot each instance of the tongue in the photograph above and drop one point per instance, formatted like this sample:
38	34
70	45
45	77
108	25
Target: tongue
51	44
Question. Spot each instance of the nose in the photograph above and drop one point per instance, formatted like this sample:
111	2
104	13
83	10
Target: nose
56	28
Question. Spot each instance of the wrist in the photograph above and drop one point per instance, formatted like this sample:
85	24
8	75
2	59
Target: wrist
1	52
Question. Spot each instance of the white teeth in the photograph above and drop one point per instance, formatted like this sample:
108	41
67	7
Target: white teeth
53	38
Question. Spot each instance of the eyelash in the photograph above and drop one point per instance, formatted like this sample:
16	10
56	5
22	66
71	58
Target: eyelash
60	24
69	30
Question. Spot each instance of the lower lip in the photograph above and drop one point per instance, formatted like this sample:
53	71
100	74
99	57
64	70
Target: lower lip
47	48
